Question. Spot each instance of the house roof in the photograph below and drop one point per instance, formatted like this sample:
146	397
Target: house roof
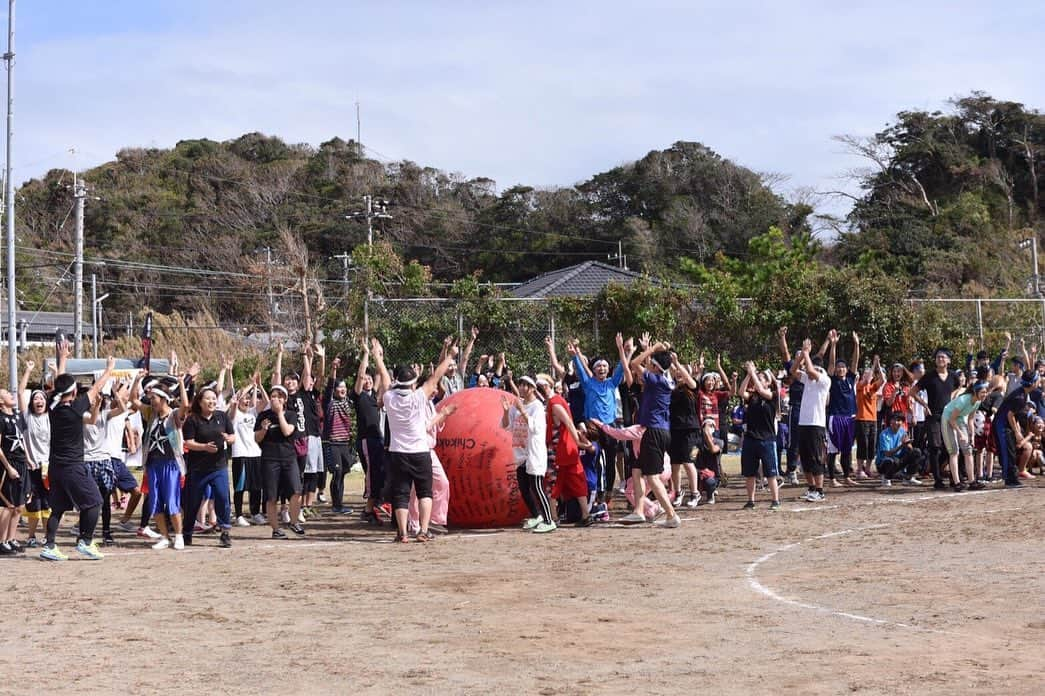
45	323
583	280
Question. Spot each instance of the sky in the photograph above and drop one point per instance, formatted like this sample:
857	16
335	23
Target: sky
538	93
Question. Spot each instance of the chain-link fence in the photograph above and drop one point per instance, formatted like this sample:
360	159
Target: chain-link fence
986	321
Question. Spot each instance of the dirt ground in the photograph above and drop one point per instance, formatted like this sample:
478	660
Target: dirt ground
875	591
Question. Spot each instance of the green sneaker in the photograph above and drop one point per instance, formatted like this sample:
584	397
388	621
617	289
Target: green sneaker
89	551
544	528
51	553
531	522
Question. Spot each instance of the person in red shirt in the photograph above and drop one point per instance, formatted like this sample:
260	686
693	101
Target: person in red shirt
896	395
562	436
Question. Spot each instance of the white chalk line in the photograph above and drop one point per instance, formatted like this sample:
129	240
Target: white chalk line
756	585
901	501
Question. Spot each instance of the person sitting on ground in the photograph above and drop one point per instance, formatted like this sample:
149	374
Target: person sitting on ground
897	454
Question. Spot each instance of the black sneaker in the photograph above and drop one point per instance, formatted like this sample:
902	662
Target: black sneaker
6	550
939	486
225	541
107	540
585	522
958	487
1015	483
775	505
297	529
279	534
370	518
977	486
749	505
15	546
33	543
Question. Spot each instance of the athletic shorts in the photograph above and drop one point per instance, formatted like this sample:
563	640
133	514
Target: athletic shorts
950	438
125	480
570	483
933	433
38	498
812	449
72	486
314	457
685	446
654	445
164	487
103	474
754	452
281	477
986	441
406	470
16	490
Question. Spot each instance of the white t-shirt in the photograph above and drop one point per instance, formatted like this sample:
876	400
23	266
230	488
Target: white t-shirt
134	460
114	427
814	399
917	410
38	438
407	420
95	444
243	424
528	437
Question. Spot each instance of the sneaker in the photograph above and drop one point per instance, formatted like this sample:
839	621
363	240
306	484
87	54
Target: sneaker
774	506
51	553
977	486
434	528
886	482
128	526
147	533
107	540
284	515
749	505
179	542
633	518
545	527
584	522
259	519
810	496
279	534
939	486
16	546
32	543
297	529
1014	483
711	499
225	541
161	545
301	517
792	478
530	522
913	481
241	521
677	501
958	487
370	518
694	501
321	498
5	549
89	551
670	523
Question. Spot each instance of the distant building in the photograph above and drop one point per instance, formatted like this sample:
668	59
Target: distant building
583	280
40	327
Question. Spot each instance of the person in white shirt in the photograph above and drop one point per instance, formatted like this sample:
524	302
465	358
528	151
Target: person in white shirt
247	475
526	421
812	419
409	455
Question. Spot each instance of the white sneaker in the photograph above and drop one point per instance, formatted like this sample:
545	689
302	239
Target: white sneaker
321	498
285	516
632	518
259	519
694	501
670	523
810	496
913	481
179	542
301	517
161	544
792	478
677	502
711	499
530	522
148	533
241	521
886	482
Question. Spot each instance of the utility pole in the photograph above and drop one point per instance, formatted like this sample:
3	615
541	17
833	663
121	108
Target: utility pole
268	278
1032	242
80	195
9	195
620	258
345	259
94	313
359	132
370	213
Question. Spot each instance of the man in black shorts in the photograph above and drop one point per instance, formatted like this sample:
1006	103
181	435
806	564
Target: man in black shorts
275	431
71	485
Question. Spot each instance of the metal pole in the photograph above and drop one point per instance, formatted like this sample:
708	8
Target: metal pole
12	352
80	193
272	307
370	245
94	313
979	319
1034	259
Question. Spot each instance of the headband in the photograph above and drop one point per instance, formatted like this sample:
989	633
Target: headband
65	392
279	388
600	361
403	385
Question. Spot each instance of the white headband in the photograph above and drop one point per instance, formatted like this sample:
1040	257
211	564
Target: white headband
58	395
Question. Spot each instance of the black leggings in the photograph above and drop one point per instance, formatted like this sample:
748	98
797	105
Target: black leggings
532	490
88	523
339	459
106	511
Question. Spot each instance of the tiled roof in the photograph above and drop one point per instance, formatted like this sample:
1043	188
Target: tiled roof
583	280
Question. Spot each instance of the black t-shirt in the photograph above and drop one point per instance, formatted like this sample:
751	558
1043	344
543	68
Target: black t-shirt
67	432
937	391
368	415
204	430
682	411
760	418
304	404
992	403
276	445
12	425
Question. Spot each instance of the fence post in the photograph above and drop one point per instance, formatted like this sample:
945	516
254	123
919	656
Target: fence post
979	319
460	327
1041	333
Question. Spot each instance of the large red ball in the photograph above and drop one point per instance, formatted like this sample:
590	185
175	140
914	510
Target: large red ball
476	453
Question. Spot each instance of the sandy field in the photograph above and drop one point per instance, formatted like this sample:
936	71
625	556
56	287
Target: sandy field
875	591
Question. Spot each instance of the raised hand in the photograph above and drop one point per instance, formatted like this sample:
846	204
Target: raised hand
832	336
619	340
782	332
475	332
644	341
856	338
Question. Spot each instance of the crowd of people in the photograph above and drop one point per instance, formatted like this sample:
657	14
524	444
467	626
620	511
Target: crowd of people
582	434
